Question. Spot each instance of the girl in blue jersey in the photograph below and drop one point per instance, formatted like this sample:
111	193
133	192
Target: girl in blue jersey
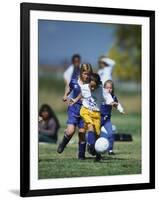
74	119
72	72
106	116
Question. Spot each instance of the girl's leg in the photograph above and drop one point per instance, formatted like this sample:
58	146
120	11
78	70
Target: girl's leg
110	136
86	115
81	144
67	136
91	139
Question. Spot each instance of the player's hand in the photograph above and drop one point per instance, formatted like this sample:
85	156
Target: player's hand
72	101
123	113
64	98
114	104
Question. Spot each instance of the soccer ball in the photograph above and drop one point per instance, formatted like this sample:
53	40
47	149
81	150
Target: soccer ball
101	145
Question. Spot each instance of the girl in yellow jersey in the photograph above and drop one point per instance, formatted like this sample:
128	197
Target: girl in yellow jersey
93	95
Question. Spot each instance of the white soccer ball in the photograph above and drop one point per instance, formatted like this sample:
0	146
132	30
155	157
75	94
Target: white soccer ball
101	145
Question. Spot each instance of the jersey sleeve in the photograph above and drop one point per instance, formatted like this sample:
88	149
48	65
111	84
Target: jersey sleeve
110	62
72	84
115	99
120	108
68	74
107	97
74	88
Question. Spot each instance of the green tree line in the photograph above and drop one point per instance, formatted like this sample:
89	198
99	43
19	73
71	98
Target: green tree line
126	51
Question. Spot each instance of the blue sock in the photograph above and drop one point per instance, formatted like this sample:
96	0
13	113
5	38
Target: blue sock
105	135
91	137
111	142
110	135
81	149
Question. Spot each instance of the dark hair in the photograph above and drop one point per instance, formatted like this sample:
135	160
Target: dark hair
100	60
111	82
96	78
46	107
101	57
76	56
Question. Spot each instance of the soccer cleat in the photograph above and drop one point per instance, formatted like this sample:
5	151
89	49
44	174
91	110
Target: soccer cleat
60	148
111	153
91	149
81	158
98	158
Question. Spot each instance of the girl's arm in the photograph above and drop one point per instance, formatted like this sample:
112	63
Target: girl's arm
120	108
68	88
114	103
67	92
73	101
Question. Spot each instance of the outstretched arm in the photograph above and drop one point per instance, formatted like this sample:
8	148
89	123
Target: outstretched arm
73	101
67	91
67	78
120	108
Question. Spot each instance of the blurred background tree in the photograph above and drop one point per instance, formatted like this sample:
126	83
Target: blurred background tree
126	51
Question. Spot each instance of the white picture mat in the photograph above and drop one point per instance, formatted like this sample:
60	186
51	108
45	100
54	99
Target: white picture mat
86	181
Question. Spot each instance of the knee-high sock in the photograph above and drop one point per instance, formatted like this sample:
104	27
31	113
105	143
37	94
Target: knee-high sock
81	149
81	145
109	135
65	140
91	138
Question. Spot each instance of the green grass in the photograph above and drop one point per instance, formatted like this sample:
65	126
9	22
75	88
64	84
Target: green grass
126	161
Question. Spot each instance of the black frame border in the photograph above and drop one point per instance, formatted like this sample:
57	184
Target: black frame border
25	9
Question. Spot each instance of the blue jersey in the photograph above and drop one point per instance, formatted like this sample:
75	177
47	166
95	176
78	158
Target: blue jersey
75	89
73	111
76	73
106	109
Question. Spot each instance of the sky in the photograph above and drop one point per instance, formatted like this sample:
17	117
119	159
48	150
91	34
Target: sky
59	40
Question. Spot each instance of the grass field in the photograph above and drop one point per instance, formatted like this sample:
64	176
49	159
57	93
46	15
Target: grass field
126	161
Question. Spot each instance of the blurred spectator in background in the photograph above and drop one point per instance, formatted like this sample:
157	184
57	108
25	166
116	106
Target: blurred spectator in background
72	72
105	68
48	125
